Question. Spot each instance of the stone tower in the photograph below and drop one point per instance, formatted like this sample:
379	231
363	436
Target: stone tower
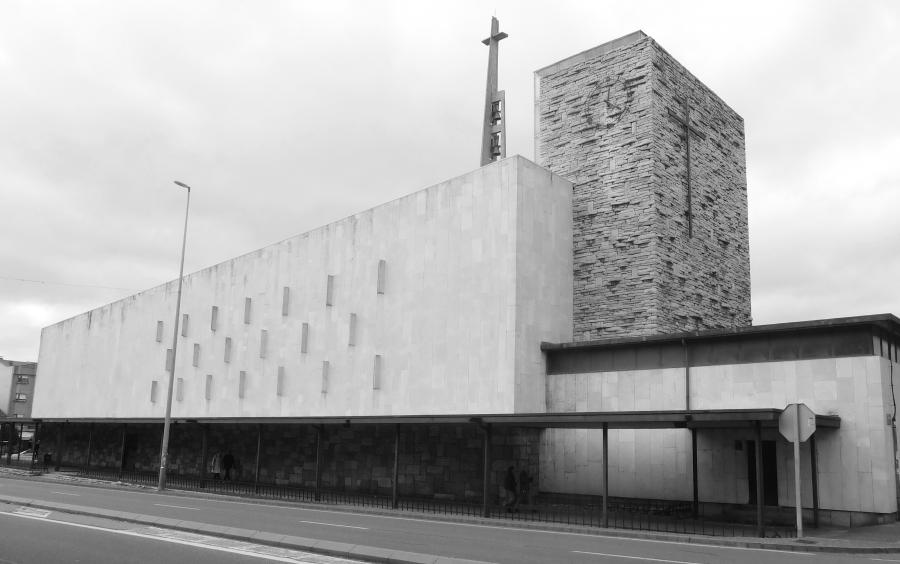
660	196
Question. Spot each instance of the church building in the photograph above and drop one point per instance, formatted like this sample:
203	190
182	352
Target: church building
584	316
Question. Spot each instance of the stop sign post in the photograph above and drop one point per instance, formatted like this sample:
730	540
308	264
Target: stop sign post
797	423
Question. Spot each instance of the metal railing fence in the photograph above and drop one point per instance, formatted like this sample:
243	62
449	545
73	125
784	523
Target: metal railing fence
634	514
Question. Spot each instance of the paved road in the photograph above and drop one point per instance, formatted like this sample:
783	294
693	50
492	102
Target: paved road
32	538
461	540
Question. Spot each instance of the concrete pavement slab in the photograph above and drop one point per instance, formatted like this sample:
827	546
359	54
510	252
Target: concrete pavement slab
401	557
371	553
332	548
268	538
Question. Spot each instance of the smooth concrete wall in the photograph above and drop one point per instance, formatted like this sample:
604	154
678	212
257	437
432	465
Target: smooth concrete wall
7	381
855	462
543	278
451	326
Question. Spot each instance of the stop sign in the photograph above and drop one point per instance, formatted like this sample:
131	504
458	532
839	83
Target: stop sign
787	422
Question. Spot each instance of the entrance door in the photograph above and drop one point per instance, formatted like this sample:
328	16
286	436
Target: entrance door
769	472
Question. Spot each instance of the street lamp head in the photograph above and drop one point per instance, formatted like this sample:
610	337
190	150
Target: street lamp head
183	185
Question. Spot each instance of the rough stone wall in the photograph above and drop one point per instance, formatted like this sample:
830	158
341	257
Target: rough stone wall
601	121
704	282
436	461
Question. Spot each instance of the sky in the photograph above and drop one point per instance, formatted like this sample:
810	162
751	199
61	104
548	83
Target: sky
286	115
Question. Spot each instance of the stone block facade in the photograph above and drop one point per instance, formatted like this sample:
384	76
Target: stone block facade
602	120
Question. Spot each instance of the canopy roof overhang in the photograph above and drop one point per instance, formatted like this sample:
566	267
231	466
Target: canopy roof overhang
712	419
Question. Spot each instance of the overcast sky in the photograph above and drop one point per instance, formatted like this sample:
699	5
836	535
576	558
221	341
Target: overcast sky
285	116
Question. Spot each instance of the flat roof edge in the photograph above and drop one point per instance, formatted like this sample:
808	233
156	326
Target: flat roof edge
884	320
573	419
573	60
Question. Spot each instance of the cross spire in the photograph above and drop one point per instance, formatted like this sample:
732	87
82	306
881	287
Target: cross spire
493	137
688	128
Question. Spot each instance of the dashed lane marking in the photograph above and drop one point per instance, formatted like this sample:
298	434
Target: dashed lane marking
335	525
636	557
67	493
177	506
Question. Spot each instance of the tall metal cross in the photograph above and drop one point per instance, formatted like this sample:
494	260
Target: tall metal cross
493	136
688	129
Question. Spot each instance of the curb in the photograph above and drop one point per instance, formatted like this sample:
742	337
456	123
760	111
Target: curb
328	548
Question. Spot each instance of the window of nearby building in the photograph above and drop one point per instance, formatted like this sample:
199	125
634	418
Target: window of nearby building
21	396
22	380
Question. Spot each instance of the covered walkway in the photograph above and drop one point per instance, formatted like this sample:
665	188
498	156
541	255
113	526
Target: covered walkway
454	452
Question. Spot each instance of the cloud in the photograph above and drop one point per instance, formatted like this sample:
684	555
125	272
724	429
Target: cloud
286	115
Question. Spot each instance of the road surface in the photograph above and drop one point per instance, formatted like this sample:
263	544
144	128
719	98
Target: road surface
34	537
491	543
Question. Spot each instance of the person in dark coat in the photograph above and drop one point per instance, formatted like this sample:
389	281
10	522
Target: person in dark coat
509	484
227	465
524	488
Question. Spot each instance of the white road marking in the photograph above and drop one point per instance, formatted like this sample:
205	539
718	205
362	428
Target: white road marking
167	539
177	506
884	560
636	557
335	525
33	512
67	493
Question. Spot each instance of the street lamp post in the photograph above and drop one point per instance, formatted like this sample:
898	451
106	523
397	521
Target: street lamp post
167	422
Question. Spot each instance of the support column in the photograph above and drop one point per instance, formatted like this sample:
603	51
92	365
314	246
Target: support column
815	479
87	460
258	454
606	474
319	432
486	474
394	494
122	450
19	440
59	445
204	453
760	485
35	443
695	507
10	430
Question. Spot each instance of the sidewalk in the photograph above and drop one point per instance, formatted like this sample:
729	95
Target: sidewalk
876	539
